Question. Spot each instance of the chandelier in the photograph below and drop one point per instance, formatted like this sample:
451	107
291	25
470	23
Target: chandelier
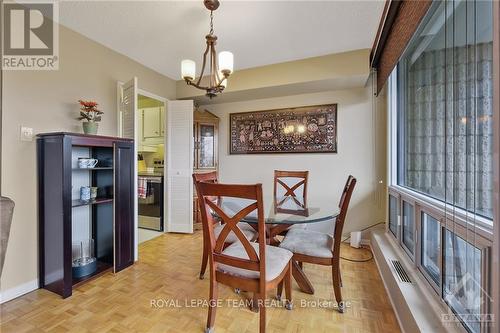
219	71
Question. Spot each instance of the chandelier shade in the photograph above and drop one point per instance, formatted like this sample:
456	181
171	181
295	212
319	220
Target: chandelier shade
226	62
188	69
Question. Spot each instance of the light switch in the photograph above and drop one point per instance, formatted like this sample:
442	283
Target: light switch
26	133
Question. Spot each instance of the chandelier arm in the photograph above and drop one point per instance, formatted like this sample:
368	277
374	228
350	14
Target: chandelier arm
204	62
217	78
197	85
191	83
213	73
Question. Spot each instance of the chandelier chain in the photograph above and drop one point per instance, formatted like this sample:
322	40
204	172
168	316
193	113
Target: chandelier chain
211	22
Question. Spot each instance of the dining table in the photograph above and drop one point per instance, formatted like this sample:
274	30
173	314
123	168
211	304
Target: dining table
283	213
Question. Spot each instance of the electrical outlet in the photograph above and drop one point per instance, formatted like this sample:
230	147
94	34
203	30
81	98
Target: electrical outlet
26	133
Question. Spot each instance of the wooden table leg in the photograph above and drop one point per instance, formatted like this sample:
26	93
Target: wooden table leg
301	278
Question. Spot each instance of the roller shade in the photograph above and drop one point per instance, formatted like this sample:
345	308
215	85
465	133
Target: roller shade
399	22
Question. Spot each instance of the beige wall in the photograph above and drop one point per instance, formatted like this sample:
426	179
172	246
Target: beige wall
46	101
359	130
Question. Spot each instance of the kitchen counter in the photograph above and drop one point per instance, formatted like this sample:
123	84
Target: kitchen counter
150	174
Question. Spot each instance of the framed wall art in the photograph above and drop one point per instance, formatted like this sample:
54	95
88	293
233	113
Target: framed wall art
308	129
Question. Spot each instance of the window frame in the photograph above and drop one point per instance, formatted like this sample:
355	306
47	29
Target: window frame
486	272
397	196
432	213
410	201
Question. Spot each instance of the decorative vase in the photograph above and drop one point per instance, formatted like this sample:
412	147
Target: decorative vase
90	127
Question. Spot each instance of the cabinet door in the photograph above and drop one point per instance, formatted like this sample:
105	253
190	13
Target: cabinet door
151	123
162	121
207	146
124	205
195	145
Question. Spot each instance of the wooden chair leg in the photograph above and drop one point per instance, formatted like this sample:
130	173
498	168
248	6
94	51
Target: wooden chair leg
212	306
280	291
262	313
204	260
336	289
301	279
288	287
254	307
340	278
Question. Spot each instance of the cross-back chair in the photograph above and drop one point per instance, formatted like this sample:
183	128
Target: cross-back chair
321	248
249	232
290	190
251	266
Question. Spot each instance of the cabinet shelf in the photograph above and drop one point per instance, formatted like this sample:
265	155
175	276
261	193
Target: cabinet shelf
93	169
79	203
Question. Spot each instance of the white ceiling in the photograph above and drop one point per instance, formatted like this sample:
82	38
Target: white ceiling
159	34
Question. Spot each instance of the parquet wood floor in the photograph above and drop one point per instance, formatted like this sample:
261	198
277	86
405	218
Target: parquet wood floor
167	273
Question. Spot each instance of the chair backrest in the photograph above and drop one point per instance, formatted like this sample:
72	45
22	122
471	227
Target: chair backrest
209	177
255	262
290	190
340	220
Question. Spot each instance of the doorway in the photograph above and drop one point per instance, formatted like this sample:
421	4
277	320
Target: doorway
175	136
150	138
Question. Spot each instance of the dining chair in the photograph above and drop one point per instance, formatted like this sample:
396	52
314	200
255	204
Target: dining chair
248	231
320	248
251	266
291	189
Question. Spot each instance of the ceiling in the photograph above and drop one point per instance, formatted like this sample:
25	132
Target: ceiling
159	34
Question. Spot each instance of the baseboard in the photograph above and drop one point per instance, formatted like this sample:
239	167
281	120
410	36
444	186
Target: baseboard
17	291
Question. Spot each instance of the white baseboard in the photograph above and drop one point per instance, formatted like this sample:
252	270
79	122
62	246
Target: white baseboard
10	294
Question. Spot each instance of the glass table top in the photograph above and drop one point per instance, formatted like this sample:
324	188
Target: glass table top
285	210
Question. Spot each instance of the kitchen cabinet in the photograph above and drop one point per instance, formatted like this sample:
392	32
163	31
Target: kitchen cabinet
206	151
151	122
151	128
105	223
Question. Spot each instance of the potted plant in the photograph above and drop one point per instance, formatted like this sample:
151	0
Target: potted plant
89	112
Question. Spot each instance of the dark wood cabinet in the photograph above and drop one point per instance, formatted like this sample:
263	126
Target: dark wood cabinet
106	223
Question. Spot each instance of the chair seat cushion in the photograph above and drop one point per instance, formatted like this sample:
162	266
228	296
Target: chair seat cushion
245	228
308	242
277	260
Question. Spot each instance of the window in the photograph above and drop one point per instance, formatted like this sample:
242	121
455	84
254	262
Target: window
431	242
462	280
408	238
393	214
442	138
446	102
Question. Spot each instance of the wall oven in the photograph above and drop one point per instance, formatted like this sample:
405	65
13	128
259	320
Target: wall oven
150	192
